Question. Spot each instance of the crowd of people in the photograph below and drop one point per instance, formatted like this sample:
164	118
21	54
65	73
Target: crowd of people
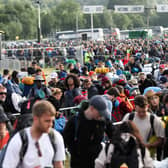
110	112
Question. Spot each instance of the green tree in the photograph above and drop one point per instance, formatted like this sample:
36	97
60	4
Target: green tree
65	15
47	23
122	21
13	29
19	18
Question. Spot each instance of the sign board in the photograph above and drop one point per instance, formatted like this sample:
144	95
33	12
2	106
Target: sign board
162	8
129	8
147	68
93	9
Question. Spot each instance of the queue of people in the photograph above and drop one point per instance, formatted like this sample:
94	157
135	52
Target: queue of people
115	112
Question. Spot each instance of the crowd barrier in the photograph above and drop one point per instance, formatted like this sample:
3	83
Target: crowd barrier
10	64
65	109
44	53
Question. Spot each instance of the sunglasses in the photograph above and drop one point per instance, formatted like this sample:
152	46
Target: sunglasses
38	149
1	93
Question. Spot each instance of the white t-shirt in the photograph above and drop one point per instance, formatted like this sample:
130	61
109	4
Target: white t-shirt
31	158
144	125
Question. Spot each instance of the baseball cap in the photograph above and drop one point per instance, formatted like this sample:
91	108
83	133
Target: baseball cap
163	79
162	66
101	105
53	75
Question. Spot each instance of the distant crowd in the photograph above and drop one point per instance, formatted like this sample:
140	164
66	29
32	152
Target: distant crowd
110	112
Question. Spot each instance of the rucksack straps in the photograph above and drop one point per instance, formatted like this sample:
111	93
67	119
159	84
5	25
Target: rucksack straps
53	142
131	116
25	142
23	149
152	130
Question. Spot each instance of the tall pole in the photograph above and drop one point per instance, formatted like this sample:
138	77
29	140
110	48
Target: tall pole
39	23
147	24
0	45
91	15
77	20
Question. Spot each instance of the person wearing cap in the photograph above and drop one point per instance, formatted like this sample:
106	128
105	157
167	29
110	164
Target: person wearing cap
163	81
158	72
53	80
142	119
84	132
39	90
155	105
4	134
133	83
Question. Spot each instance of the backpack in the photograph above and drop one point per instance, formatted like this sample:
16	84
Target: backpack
26	106
124	152
60	123
23	121
152	131
10	107
24	147
26	118
125	106
151	135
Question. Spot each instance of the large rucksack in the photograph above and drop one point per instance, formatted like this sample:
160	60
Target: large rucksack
25	119
124	152
24	147
26	106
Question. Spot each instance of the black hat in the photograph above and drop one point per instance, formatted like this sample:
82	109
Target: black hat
165	72
3	116
163	79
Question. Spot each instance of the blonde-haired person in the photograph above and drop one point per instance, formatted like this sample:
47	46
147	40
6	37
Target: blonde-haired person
40	151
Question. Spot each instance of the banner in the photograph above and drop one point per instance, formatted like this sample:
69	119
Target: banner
129	8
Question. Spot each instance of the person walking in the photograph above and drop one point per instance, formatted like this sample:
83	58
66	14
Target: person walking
84	132
40	150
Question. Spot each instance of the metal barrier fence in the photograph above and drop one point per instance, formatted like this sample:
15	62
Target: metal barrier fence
45	54
66	108
10	64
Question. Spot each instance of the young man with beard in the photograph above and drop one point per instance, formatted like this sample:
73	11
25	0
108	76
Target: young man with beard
40	151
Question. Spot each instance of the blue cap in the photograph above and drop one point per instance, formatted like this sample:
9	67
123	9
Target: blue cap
101	105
